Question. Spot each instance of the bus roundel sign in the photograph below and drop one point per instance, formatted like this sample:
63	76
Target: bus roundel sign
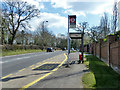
72	21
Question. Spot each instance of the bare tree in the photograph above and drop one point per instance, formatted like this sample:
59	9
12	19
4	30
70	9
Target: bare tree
3	30
18	13
104	24
44	38
115	17
95	33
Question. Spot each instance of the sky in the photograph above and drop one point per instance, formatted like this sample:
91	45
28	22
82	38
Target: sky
56	13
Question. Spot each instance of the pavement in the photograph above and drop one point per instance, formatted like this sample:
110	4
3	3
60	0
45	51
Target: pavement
54	76
70	77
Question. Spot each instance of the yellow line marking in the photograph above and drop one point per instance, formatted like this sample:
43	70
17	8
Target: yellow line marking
60	64
35	67
30	84
6	76
32	66
22	69
39	63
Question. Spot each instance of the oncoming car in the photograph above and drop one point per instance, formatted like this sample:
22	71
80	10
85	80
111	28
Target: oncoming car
49	50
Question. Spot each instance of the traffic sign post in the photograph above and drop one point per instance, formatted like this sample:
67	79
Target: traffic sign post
71	24
68	45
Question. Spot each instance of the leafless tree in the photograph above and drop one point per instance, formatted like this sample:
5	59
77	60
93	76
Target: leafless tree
18	13
44	37
3	29
95	33
104	24
115	17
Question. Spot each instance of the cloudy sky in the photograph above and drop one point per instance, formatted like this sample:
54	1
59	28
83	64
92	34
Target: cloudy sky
56	12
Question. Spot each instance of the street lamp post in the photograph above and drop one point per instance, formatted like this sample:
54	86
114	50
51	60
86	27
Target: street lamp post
43	24
43	34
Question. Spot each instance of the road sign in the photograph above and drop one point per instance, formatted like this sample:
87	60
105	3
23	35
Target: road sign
72	21
75	35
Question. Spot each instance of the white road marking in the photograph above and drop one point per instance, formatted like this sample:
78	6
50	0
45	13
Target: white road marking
17	55
24	54
1	62
15	59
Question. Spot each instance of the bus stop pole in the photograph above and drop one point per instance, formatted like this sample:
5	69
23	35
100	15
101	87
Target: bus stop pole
68	44
83	45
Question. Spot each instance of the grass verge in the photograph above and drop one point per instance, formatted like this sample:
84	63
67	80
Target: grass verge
73	51
16	52
100	75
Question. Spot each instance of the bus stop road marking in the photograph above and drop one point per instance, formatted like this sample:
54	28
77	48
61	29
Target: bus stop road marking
6	76
35	81
22	70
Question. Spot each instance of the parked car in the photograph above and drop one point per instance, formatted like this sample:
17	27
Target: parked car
63	49
49	50
72	49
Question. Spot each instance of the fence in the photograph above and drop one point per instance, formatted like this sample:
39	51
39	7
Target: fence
108	51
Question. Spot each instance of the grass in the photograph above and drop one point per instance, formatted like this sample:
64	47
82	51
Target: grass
22	51
100	75
89	80
73	51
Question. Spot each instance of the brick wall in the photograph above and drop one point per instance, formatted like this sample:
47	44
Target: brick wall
109	52
104	53
115	54
98	50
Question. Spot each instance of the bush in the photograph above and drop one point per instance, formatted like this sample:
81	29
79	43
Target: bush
19	47
118	35
105	40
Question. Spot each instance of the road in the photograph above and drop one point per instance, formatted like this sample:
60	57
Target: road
11	64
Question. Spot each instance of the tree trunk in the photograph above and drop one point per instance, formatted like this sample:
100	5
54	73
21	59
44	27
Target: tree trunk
12	39
2	37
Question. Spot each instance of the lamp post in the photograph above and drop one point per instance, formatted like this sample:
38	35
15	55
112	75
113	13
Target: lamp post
43	27
43	24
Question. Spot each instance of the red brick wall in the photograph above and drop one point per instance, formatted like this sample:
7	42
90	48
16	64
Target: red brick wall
91	48
119	55
104	54
115	53
94	49
108	51
98	49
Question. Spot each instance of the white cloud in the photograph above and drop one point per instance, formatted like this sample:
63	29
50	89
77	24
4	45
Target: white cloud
84	6
37	3
60	4
106	7
55	21
77	13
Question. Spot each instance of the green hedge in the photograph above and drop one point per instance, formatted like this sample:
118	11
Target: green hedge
117	36
19	47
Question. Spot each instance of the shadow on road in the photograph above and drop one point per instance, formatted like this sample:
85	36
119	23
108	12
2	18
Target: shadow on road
18	77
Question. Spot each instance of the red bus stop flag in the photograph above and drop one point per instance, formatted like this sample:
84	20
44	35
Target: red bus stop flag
72	21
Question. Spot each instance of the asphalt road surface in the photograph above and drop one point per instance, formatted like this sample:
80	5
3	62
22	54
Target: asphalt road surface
11	64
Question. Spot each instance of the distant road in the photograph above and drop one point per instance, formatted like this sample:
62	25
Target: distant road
11	64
